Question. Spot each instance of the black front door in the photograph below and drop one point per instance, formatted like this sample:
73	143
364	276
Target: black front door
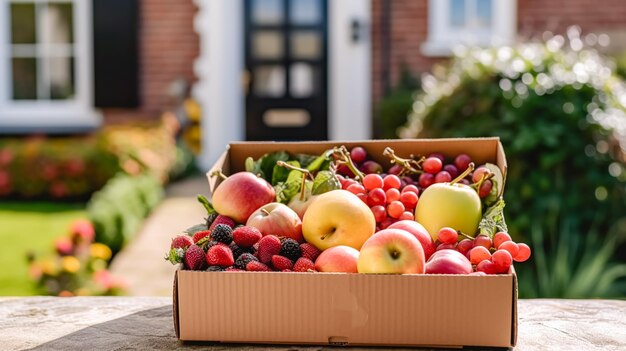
286	66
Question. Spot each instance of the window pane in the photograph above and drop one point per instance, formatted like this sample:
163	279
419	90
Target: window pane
61	77
483	13
306	44
58	23
267	44
457	13
303	80
23	23
24	78
267	11
305	12
269	81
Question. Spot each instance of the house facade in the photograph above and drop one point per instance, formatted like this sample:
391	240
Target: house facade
261	69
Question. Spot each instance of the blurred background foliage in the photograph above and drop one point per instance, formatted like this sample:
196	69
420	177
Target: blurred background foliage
560	110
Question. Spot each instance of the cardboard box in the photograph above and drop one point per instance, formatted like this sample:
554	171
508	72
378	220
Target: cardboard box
349	309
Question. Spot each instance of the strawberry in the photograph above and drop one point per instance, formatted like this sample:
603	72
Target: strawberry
309	251
220	255
201	235
268	246
194	258
221	219
281	263
256	266
181	242
246	236
303	264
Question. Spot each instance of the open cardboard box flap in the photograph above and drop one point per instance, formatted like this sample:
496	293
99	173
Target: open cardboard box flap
349	309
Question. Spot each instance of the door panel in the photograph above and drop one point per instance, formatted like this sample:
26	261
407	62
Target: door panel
287	68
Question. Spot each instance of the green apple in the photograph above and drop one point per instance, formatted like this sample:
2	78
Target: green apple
449	205
338	217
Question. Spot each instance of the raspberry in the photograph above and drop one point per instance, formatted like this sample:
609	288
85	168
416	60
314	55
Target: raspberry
268	246
281	263
222	233
220	255
246	236
303	264
221	219
290	249
233	269
201	235
309	251
243	260
181	242
256	266
194	258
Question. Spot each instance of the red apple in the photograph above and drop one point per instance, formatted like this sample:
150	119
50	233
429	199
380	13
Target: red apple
277	219
448	262
420	233
340	258
391	251
241	194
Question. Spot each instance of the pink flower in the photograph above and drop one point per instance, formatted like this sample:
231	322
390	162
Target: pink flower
82	229
63	246
6	156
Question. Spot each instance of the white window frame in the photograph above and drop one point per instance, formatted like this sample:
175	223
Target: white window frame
443	37
44	115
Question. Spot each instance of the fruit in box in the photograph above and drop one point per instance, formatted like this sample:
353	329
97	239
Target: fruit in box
420	233
338	217
449	205
338	259
277	219
239	195
448	262
391	251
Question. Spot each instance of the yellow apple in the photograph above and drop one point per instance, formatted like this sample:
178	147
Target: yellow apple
338	217
449	205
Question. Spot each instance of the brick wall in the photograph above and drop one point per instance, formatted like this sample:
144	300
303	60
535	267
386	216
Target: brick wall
168	47
409	29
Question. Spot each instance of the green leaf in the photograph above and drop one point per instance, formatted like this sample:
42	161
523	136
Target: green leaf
207	204
322	162
251	166
493	220
175	256
268	161
196	228
286	190
280	174
305	159
325	181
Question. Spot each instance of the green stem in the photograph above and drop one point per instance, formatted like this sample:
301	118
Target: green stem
342	152
219	173
469	170
407	163
304	175
465	235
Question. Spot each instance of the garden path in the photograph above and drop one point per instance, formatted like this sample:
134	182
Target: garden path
141	262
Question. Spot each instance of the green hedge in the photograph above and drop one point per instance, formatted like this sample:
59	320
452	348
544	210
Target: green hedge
560	111
118	209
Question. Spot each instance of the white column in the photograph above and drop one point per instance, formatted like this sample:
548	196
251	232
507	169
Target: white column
218	68
350	77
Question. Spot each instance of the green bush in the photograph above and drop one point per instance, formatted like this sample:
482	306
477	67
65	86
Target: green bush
118	209
392	110
560	112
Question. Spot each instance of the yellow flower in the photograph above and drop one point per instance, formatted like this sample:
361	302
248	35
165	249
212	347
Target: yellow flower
99	250
48	267
70	264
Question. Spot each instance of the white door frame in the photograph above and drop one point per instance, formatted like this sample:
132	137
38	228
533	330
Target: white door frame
219	67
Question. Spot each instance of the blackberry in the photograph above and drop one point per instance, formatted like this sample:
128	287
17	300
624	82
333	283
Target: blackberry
210	218
243	260
290	249
237	251
222	233
215	269
208	244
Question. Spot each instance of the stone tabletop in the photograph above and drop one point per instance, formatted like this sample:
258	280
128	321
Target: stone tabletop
145	323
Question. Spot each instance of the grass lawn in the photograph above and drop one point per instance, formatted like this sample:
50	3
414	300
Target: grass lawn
29	227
